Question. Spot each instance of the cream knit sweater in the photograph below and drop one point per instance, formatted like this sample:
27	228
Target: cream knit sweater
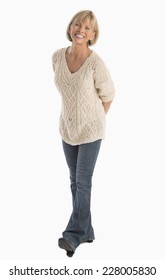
82	117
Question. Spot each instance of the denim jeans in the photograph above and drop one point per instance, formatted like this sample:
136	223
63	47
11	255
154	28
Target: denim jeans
81	160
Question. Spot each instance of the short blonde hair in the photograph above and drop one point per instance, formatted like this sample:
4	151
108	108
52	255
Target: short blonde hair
80	17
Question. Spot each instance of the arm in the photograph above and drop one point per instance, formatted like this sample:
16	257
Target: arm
106	106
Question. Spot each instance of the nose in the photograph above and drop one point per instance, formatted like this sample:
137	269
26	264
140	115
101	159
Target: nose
81	28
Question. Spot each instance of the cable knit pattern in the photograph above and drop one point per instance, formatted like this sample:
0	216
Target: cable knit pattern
82	117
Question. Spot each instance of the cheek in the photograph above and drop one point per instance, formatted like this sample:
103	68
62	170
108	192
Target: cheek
72	31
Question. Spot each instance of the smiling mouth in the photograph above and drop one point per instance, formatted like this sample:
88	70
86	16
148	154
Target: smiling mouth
79	36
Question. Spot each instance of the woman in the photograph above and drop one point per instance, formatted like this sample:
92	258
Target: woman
87	92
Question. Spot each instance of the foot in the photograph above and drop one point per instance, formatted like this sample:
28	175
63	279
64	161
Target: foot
66	245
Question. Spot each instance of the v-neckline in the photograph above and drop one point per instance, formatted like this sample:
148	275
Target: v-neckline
79	69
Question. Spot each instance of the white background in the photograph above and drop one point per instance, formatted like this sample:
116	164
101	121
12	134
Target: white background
128	184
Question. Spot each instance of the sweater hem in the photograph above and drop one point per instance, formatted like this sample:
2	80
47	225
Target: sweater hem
85	141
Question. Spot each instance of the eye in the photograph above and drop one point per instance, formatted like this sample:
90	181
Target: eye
87	28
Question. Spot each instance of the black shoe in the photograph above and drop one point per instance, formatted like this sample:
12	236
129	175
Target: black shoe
70	253
87	241
66	245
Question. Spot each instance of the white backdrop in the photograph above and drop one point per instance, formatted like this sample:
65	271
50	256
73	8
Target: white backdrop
128	184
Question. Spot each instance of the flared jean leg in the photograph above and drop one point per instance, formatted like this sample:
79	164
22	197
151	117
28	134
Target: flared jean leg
81	161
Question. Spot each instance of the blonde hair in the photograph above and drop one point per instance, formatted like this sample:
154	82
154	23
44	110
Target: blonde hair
80	17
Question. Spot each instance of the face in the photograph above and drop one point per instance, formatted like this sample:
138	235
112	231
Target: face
82	32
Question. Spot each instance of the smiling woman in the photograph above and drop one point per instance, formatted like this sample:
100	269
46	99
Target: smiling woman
83	31
87	91
88	19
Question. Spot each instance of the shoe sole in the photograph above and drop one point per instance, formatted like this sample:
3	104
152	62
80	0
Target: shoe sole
64	244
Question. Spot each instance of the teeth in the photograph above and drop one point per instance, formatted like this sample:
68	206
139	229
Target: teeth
79	36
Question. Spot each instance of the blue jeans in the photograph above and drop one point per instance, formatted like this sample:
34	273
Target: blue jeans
81	160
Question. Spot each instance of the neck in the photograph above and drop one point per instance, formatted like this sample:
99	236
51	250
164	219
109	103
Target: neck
78	50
